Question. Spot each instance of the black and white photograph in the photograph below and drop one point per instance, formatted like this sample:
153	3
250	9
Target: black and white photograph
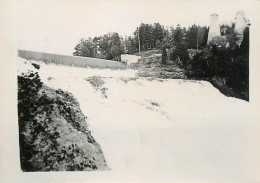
134	91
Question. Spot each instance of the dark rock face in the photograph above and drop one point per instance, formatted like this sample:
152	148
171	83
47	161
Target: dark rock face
36	66
97	83
221	85
153	67
53	133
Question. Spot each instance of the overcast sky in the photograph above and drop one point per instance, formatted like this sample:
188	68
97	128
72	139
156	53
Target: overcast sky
56	26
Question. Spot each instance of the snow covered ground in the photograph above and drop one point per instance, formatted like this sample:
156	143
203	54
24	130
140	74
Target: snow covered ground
159	130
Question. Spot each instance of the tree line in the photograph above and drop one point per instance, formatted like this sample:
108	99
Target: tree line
108	47
151	36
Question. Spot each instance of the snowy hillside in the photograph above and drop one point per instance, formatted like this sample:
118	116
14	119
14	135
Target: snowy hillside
170	129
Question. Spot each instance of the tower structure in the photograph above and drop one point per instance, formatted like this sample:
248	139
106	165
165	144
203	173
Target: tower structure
214	29
240	26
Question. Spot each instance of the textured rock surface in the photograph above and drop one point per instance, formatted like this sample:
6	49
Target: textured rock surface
152	67
53	131
97	83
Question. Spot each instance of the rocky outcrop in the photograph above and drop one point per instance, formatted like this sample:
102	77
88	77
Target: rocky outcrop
153	67
221	85
53	133
97	83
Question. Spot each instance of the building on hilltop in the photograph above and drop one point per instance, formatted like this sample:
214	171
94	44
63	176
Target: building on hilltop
214	28
214	35
215	31
220	35
240	24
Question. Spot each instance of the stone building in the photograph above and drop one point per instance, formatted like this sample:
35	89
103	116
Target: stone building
214	28
240	25
214	35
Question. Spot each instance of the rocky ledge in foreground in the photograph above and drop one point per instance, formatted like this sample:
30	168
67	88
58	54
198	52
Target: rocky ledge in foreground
53	133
